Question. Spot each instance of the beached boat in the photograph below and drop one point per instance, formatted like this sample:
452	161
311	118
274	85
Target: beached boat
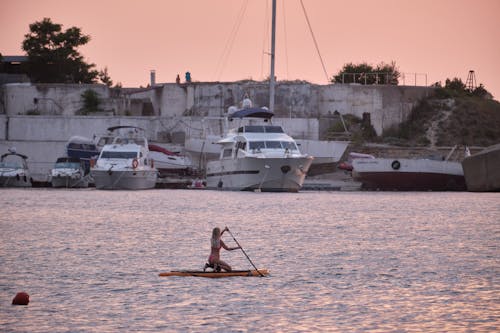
257	156
168	162
69	172
347	165
409	174
125	164
222	274
14	171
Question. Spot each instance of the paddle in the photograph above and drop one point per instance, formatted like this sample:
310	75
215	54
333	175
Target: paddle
246	255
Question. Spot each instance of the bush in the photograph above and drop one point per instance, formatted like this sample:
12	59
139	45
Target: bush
91	101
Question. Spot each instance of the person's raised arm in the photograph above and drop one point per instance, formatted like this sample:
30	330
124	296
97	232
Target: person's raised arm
227	247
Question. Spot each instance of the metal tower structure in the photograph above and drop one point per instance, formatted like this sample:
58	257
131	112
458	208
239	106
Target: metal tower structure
470	84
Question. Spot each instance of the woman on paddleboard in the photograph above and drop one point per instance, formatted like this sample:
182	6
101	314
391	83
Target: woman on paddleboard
215	244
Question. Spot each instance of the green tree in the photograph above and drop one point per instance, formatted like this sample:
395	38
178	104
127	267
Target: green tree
53	55
455	84
91	101
482	92
367	74
104	77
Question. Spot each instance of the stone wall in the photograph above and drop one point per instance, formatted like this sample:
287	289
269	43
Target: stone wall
48	99
387	105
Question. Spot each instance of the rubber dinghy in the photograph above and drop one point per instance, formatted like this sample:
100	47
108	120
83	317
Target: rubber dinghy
254	272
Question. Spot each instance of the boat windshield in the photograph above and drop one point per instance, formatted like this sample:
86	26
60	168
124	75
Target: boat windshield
11	165
105	140
67	165
255	145
137	141
119	154
82	146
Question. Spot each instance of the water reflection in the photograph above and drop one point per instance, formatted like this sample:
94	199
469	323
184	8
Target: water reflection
376	262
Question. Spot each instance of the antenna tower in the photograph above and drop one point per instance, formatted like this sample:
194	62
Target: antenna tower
470	84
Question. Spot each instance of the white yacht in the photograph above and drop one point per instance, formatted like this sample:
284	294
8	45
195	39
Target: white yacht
125	163
69	172
14	170
257	157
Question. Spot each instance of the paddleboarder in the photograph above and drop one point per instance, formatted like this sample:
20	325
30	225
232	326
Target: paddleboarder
216	243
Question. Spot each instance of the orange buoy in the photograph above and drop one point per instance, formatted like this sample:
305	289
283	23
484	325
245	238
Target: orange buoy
21	298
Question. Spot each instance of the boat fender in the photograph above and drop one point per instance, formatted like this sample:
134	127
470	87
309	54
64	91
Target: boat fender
396	165
135	163
17	177
21	298
152	163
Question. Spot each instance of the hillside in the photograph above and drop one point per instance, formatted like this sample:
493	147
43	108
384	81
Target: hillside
448	120
465	120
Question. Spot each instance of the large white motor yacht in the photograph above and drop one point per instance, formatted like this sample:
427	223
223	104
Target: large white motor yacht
125	163
257	157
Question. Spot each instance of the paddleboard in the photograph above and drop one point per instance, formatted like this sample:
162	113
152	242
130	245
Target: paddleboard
260	272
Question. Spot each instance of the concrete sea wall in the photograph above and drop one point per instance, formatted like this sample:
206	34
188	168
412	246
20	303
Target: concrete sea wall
387	105
43	138
482	170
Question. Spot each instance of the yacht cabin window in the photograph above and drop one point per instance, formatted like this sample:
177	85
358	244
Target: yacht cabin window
289	145
274	129
227	153
256	145
119	154
273	144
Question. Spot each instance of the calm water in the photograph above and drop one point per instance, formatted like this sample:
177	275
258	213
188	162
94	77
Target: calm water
339	261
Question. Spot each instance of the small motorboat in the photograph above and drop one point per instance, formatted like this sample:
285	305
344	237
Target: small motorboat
124	164
14	170
69	172
168	162
221	274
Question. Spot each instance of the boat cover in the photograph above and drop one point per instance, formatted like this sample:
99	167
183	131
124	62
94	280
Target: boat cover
253	113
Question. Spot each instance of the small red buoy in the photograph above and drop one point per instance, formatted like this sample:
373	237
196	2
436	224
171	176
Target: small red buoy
21	298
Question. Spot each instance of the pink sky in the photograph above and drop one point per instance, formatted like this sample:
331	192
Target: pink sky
440	38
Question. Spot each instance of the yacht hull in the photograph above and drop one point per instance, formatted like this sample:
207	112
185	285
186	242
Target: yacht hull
408	174
253	173
15	181
124	179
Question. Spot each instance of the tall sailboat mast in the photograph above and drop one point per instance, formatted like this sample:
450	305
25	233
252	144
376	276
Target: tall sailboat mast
273	42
